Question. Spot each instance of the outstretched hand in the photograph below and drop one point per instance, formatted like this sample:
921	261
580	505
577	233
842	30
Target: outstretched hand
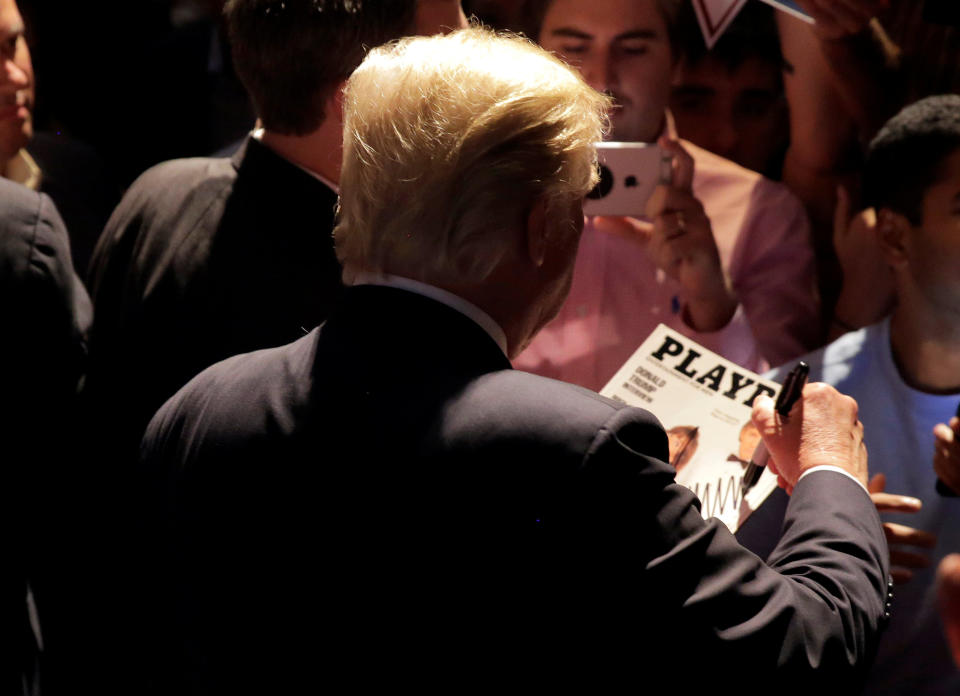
902	562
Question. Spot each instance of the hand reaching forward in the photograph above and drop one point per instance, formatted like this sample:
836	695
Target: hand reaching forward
902	562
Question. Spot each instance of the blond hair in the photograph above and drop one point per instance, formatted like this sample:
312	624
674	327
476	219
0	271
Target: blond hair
448	141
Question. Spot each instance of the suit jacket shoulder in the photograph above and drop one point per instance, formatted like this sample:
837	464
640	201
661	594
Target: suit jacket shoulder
520	521
45	309
203	259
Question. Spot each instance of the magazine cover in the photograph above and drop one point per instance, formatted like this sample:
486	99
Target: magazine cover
704	403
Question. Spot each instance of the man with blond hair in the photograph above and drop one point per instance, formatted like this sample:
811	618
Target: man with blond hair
385	500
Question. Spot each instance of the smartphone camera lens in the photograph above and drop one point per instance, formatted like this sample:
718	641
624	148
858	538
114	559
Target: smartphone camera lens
604	186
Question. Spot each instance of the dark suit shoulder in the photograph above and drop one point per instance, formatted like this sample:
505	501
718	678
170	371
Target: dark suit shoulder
510	407
32	234
166	201
174	178
161	192
35	263
246	398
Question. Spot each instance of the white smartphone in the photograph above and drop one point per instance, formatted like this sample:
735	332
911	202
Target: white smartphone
628	174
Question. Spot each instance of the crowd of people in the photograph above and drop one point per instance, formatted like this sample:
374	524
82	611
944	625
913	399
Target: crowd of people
301	380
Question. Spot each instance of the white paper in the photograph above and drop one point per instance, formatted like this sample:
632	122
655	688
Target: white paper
689	387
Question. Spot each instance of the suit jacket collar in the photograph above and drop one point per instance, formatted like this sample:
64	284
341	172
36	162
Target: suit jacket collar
255	161
398	330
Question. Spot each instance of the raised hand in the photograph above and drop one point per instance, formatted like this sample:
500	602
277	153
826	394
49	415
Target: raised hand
902	562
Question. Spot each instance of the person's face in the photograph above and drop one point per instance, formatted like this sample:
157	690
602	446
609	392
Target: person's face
439	16
933	248
16	83
620	47
739	114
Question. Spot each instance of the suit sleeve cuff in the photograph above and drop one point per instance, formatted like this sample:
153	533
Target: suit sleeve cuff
827	467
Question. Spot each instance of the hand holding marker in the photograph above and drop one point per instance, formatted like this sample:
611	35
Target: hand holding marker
789	395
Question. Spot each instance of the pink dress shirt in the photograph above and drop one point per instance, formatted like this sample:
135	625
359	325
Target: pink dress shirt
618	296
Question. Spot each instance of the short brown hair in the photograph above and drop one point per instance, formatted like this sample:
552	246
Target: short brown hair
533	12
291	54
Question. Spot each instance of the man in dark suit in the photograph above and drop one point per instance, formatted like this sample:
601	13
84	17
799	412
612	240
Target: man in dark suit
208	257
68	171
386	502
45	313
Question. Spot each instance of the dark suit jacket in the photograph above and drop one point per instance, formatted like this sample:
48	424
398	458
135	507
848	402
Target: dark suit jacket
44	315
386	502
78	181
203	259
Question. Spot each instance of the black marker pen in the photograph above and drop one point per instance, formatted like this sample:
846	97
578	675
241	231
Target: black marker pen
789	395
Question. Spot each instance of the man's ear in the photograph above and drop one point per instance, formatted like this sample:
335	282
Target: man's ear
537	231
892	233
334	105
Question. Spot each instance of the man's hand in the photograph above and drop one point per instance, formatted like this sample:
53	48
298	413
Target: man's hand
867	293
901	562
946	453
681	243
838	19
821	429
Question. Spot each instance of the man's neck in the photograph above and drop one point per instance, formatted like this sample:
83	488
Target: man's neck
926	349
318	151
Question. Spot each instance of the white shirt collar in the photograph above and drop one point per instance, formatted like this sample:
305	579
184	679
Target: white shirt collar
468	309
22	169
257	134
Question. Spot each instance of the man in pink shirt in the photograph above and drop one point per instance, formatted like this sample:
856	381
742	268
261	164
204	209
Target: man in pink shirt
721	255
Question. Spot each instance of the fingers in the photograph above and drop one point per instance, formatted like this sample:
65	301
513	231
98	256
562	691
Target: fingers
682	242
765	419
945	434
822	429
763	415
908	560
902	561
900	576
889	502
908	536
626	227
877	483
668	199
946	453
682	163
